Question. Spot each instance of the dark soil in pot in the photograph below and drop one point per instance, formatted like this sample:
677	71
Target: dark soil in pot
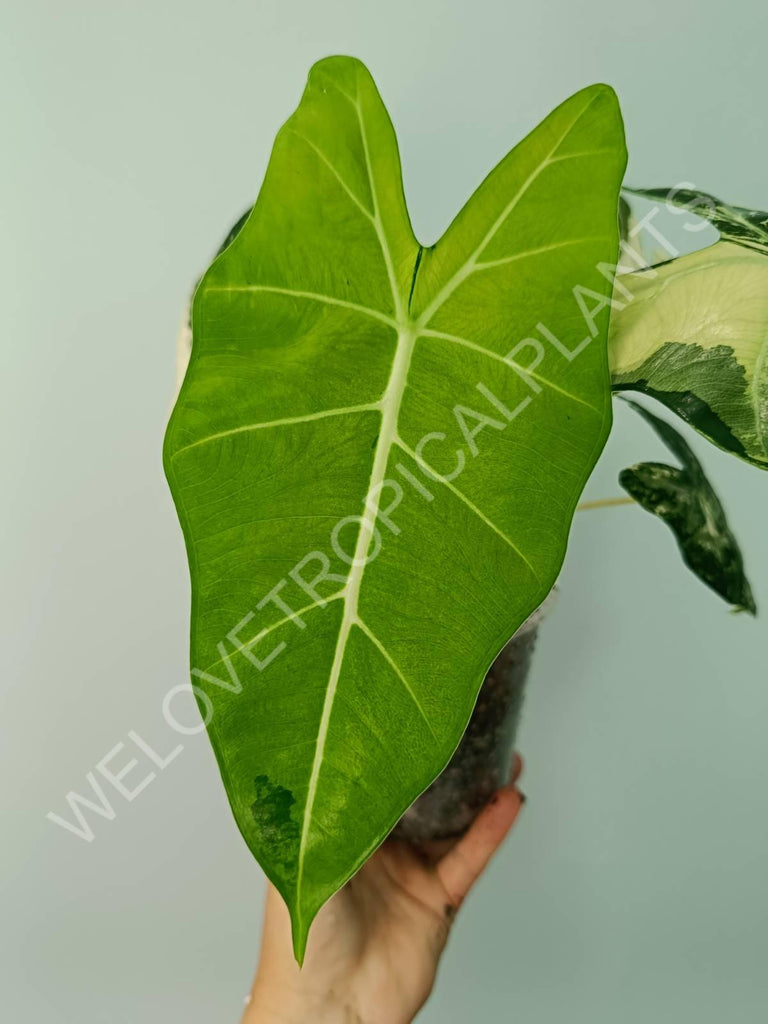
483	759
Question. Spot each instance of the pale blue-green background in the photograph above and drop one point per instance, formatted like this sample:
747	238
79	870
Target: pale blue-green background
634	889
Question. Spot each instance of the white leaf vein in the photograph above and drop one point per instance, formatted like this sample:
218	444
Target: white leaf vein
470	504
456	339
330	300
287	422
393	664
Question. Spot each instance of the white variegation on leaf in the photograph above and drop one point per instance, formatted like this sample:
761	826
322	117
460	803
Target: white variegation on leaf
734	223
693	333
685	500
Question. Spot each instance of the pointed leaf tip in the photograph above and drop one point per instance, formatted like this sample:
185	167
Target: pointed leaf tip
685	500
324	303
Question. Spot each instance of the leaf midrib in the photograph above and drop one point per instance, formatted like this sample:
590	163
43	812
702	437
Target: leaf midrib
390	410
408	331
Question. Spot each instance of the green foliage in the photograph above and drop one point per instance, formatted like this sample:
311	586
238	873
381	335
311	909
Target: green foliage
456	397
694	333
686	501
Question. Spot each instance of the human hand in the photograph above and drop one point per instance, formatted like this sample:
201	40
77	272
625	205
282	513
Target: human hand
374	948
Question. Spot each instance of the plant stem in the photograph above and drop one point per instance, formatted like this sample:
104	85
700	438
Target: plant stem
604	503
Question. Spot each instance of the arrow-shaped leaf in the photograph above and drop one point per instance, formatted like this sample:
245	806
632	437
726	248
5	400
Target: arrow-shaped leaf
346	600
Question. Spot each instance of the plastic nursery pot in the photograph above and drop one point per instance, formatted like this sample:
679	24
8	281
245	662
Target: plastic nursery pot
483	759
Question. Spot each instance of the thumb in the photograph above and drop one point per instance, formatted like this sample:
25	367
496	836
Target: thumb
460	868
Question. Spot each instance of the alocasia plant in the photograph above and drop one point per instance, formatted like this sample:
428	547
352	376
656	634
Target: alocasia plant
376	455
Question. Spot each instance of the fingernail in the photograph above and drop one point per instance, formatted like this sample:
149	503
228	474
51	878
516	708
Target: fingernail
517	767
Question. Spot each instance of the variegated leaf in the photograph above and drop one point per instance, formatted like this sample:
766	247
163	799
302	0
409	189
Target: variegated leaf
693	333
686	501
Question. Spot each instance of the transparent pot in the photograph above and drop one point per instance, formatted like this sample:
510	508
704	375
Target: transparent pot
483	759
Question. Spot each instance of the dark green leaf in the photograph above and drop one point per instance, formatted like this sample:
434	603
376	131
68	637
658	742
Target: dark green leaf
685	500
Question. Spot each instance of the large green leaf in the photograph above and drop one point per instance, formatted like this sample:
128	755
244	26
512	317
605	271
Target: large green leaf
694	335
685	500
333	358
